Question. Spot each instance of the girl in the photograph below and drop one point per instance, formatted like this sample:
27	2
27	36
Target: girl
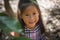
30	19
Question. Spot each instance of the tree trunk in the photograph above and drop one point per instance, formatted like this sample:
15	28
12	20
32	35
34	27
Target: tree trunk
8	8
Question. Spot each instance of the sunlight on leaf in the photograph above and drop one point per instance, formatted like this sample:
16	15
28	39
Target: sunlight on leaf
11	23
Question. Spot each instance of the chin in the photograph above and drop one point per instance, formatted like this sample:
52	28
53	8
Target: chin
32	26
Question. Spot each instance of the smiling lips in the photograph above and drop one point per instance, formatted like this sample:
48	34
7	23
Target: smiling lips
32	22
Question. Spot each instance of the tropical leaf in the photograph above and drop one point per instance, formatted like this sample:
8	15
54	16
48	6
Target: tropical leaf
10	23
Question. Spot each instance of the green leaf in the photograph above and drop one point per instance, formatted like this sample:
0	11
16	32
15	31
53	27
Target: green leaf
11	23
2	26
5	28
21	38
3	14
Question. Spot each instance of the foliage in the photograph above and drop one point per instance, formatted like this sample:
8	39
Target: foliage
8	24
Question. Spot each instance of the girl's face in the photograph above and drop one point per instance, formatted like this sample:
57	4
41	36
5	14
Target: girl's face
30	16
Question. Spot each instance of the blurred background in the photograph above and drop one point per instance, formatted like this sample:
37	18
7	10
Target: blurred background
50	10
13	4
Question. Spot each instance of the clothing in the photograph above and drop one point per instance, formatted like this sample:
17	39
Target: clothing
34	34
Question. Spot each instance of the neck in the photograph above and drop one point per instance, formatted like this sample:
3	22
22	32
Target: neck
30	27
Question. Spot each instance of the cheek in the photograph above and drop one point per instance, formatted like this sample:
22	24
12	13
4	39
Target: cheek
25	20
37	18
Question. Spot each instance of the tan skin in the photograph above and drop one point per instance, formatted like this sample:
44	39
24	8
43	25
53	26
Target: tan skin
30	17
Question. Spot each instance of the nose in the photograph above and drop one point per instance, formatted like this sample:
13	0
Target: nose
31	17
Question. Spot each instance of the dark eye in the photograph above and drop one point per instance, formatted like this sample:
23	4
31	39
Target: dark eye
26	15
34	13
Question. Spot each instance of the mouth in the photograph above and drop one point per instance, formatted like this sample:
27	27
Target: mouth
31	22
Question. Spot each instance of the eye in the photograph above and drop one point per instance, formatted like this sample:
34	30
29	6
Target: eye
34	13
26	15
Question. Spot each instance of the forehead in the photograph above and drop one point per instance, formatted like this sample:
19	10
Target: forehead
30	9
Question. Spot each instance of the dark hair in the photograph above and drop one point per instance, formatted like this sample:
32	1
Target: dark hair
23	6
